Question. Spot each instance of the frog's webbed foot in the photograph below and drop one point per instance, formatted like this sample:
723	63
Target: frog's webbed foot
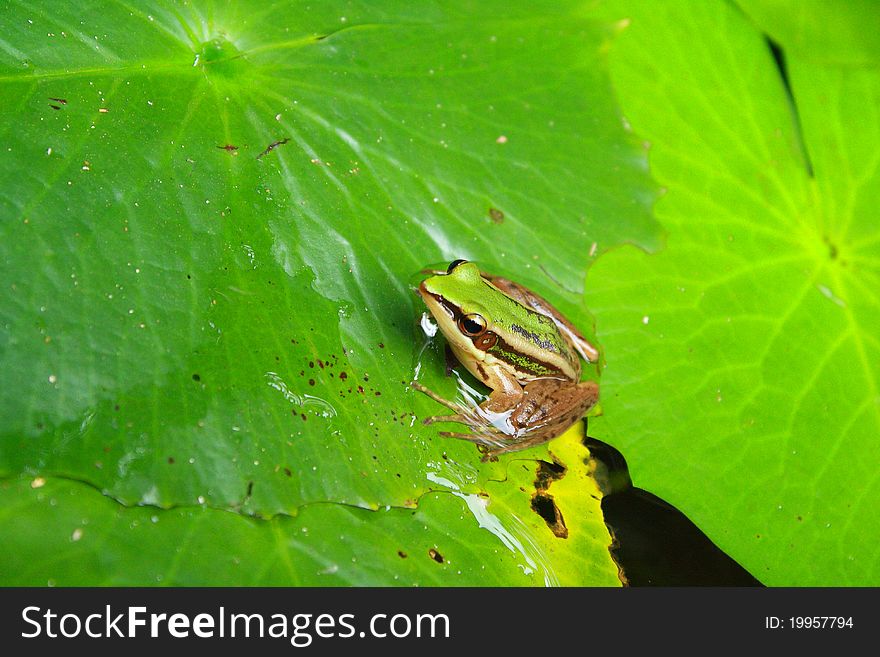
538	438
486	441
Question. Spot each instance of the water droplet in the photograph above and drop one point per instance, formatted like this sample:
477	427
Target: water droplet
429	327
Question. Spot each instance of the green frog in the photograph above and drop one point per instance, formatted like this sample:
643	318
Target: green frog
518	345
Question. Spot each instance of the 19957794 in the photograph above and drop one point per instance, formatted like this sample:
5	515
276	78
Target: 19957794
808	623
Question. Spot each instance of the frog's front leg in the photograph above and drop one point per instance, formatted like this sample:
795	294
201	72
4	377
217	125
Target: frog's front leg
462	414
506	394
453	406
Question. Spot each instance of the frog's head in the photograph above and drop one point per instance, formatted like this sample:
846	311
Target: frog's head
460	301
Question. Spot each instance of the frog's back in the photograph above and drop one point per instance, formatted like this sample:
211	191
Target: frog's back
532	342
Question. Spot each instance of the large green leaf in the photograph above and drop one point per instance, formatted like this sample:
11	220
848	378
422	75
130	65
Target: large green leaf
211	215
62	533
743	360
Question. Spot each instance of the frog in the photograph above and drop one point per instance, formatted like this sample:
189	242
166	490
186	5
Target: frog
520	347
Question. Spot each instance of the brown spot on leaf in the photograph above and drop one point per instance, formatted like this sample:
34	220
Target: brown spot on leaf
544	506
496	215
543	503
547	473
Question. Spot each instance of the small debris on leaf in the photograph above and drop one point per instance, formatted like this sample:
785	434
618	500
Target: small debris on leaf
271	147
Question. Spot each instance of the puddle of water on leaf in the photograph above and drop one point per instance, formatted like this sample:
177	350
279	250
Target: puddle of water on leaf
428	325
518	541
322	406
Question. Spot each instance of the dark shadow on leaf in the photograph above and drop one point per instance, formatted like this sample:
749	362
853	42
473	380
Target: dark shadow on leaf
655	544
779	59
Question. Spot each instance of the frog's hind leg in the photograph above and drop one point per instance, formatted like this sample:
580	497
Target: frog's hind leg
485	441
539	438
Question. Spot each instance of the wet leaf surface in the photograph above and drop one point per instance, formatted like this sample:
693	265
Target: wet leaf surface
62	533
207	246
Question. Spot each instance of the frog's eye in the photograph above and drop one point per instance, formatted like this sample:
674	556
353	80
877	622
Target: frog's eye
454	264
472	325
